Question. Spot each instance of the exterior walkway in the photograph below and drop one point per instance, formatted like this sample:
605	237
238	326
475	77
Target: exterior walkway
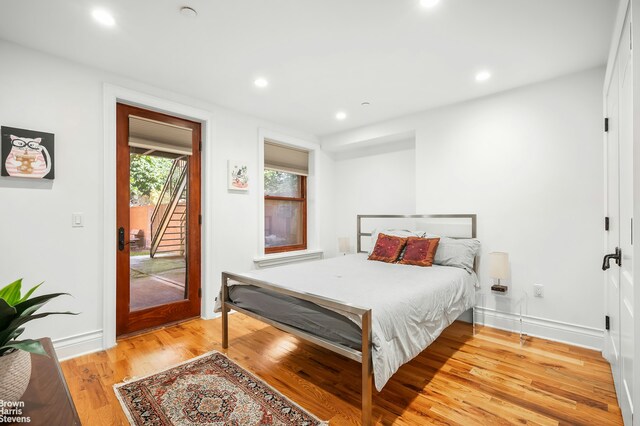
156	281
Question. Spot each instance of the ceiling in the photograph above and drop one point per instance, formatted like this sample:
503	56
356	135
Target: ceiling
323	56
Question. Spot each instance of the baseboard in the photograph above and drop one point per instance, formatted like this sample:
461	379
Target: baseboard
211	316
86	343
573	334
586	337
80	344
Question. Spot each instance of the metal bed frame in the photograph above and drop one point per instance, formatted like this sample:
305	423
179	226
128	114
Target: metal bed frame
364	355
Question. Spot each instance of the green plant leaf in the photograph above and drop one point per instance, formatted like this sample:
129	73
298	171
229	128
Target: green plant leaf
11	292
8	332
17	310
27	345
30	292
7	314
39	300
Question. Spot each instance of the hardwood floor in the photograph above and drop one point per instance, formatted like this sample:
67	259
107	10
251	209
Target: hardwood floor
484	379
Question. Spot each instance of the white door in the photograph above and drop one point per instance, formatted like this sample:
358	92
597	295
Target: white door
612	275
619	344
626	223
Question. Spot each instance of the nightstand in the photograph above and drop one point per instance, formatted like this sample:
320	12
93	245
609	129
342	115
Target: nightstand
512	303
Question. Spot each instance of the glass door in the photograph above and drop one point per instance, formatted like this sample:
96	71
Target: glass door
158	197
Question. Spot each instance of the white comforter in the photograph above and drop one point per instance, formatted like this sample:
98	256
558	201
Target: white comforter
411	305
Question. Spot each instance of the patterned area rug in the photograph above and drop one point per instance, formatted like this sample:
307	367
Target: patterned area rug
208	390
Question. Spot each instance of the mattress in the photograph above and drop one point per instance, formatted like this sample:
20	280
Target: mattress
303	315
410	305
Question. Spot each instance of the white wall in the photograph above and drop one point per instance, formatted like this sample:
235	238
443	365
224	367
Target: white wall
373	184
528	162
41	92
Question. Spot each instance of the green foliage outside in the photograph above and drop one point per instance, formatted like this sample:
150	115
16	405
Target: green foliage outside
281	184
147	177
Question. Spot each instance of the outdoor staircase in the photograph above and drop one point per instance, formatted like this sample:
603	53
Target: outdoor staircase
169	218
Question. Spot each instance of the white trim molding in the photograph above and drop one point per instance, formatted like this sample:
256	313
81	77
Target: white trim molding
573	334
288	257
113	95
80	344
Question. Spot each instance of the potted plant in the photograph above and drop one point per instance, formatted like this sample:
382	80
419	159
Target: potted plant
15	355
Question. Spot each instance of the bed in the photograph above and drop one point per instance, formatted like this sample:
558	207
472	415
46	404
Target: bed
379	314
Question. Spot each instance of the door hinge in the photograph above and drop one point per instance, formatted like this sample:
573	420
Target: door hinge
200	293
200	146
606	124
199	219
607	322
606	223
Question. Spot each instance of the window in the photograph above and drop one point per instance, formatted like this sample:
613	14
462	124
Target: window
285	198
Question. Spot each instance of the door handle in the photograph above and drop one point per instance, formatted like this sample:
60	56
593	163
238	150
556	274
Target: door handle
121	241
617	256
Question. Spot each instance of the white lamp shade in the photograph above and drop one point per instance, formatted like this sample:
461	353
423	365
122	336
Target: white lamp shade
499	265
343	244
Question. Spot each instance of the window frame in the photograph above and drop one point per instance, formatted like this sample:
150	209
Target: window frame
303	199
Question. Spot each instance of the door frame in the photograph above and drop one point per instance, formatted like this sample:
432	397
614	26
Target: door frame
113	95
133	321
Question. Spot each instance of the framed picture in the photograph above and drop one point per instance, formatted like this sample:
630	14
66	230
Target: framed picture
26	153
238	176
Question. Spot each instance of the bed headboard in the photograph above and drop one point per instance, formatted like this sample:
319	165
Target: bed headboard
448	225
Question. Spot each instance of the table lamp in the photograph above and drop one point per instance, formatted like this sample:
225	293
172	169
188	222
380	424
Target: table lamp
499	269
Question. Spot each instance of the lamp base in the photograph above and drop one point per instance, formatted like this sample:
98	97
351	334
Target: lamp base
499	288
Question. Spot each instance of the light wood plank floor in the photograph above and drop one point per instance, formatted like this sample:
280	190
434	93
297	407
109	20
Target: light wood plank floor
484	379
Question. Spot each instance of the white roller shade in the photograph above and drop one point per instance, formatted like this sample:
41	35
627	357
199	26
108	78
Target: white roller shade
286	159
157	136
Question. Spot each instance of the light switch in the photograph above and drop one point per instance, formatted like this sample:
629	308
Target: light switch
77	220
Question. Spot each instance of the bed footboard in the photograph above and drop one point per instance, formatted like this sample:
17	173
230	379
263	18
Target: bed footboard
363	356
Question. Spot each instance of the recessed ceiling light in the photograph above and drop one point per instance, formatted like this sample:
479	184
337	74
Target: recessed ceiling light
104	17
189	12
483	76
429	3
261	82
341	115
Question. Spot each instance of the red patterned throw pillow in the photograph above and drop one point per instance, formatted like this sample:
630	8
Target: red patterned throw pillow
388	248
420	251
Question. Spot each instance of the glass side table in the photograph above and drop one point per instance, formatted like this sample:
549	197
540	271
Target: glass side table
513	302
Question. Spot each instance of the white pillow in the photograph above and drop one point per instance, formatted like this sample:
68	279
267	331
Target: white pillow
457	252
404	233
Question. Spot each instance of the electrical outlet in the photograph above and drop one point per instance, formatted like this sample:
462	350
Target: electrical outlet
538	290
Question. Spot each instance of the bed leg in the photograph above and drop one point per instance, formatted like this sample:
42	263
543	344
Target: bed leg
225	313
367	373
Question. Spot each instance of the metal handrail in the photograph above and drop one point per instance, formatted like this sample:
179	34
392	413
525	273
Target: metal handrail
175	196
168	184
